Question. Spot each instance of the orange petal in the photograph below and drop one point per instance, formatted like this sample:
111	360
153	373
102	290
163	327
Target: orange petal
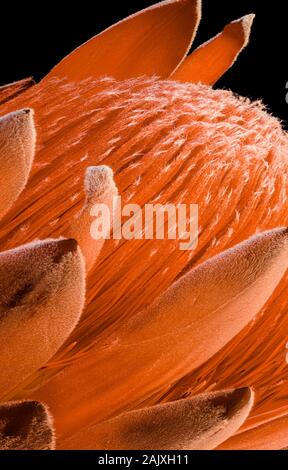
269	436
10	91
197	316
100	188
25	425
151	42
199	423
211	60
41	299
17	148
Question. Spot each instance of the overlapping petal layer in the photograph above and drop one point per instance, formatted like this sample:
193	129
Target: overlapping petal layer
199	423
187	325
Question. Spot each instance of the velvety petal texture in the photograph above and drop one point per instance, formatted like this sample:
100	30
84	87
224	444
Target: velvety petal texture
211	60
17	148
25	425
199	423
42	289
151	42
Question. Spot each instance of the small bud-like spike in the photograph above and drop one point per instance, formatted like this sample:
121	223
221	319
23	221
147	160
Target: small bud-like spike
17	148
100	191
42	290
199	423
25	425
211	60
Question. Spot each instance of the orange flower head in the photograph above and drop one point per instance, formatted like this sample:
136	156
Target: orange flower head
162	329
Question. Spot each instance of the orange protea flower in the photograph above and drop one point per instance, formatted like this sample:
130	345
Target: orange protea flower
170	343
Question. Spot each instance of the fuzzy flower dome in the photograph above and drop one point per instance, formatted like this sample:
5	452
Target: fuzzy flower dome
135	344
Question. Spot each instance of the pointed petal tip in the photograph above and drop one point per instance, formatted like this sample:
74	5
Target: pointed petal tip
197	423
18	134
100	189
18	114
239	400
42	295
278	237
17	150
244	25
67	245
58	246
98	179
247	20
211	60
25	111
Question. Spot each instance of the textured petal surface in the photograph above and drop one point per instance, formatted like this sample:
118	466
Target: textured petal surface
8	92
199	423
41	299
25	425
152	42
100	189
269	436
198	315
166	142
211	60
17	148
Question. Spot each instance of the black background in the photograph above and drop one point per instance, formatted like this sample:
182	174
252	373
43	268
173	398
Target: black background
34	38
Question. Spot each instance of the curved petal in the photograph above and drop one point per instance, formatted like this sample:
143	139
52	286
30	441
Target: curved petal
151	42
41	299
197	316
199	423
269	436
10	91
226	290
211	60
100	190
17	148
25	425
